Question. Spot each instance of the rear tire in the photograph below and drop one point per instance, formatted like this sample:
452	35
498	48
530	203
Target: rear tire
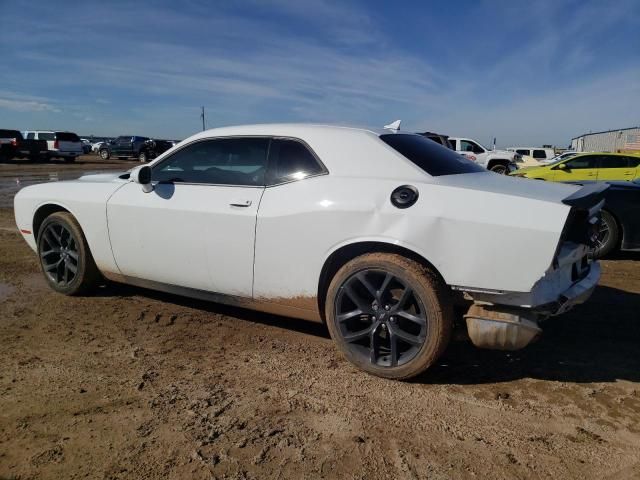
389	315
608	236
104	154
142	157
65	258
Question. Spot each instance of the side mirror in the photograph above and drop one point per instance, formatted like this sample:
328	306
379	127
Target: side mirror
563	166
142	175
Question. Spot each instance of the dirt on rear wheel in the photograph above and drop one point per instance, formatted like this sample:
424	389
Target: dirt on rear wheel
389	315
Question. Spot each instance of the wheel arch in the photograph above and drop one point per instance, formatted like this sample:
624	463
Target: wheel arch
495	161
42	212
346	253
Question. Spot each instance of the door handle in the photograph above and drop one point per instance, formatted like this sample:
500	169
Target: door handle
241	203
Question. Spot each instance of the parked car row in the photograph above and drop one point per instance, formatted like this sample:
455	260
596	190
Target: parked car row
620	226
50	144
499	161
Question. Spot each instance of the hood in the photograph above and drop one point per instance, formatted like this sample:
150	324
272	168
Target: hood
503	152
514	186
101	177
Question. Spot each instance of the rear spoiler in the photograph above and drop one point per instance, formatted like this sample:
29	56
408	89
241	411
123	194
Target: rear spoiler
588	196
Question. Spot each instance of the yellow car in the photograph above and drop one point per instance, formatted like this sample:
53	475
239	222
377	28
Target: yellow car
587	166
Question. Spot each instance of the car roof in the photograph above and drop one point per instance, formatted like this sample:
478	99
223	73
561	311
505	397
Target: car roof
287	129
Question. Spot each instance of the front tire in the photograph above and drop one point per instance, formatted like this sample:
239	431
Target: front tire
142	157
500	168
388	315
104	154
64	254
608	236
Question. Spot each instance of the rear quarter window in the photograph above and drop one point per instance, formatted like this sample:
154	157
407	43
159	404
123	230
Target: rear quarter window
67	137
434	159
634	161
46	136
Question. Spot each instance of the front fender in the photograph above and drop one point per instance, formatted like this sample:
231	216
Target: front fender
86	201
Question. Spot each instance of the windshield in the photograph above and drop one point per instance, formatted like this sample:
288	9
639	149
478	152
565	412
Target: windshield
560	158
431	157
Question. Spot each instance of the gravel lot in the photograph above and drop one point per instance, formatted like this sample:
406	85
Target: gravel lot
130	383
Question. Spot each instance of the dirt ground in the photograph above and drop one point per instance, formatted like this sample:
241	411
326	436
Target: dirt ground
129	383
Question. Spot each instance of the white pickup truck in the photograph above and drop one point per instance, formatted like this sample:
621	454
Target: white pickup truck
65	145
499	161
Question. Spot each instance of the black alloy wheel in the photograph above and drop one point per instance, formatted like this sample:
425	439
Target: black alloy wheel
381	318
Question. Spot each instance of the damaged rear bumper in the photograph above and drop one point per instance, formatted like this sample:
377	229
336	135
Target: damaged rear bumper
502	327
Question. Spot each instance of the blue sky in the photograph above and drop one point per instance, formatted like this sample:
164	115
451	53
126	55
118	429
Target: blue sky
524	72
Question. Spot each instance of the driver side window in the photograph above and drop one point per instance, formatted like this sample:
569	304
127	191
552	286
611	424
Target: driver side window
587	161
225	161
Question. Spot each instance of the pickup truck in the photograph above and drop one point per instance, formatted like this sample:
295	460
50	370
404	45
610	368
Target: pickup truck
499	161
132	146
64	145
13	145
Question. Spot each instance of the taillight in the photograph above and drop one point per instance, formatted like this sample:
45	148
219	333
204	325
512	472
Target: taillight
14	142
56	145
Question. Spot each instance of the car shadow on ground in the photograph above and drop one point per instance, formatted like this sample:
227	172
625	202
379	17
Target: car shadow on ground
298	325
595	342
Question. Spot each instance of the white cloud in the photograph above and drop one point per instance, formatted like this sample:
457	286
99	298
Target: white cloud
19	105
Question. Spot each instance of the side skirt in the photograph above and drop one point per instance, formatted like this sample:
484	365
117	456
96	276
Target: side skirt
262	305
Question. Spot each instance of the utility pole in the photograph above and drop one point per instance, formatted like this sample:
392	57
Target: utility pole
202	115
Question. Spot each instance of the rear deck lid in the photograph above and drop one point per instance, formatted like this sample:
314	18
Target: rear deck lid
518	187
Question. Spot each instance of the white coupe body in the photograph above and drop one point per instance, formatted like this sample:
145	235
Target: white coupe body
267	245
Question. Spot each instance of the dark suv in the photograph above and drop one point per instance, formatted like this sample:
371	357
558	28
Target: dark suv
133	146
438	138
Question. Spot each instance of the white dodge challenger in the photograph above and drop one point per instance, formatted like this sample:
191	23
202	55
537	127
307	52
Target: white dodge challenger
376	233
